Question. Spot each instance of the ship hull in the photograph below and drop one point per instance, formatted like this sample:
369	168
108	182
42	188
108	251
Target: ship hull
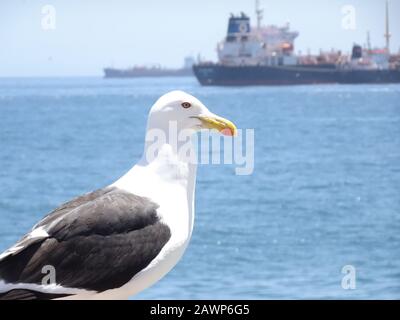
144	72
219	75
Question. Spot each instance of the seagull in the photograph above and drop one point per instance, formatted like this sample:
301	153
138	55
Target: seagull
117	241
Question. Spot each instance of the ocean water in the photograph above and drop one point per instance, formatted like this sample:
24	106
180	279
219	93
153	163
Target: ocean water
324	193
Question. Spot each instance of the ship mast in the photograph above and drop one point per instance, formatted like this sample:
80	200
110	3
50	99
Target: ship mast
368	41
259	14
387	33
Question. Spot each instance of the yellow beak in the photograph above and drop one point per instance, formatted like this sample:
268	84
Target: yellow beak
224	126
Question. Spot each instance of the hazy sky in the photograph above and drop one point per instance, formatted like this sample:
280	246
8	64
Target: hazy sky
92	34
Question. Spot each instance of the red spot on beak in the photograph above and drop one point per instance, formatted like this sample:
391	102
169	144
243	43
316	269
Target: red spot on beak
227	132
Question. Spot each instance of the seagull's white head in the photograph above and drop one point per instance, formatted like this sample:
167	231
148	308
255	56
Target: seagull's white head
186	113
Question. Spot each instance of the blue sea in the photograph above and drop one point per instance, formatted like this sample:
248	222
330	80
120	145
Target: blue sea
324	194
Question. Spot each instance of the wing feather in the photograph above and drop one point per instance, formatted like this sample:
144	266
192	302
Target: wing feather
96	242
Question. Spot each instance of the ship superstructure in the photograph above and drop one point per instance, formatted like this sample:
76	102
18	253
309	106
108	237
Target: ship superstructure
244	45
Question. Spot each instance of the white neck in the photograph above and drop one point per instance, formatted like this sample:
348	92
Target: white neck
163	178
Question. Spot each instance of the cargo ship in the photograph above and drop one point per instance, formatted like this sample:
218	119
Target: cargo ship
265	56
151	71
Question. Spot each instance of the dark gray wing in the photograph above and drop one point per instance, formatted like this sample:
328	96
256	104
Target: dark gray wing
95	242
72	204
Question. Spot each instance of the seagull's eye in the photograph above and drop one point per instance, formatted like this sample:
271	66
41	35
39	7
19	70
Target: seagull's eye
186	105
